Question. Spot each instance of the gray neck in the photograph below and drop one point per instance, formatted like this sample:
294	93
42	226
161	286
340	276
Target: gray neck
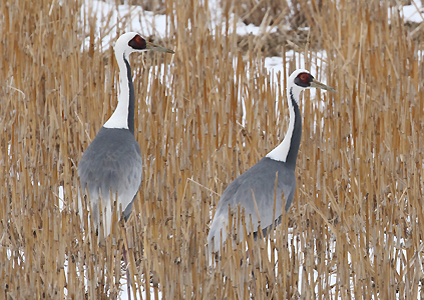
131	104
297	133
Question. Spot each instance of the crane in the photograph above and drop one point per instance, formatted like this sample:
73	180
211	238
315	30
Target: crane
273	173
112	162
111	167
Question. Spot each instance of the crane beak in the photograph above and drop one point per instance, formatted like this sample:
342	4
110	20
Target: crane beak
319	85
153	47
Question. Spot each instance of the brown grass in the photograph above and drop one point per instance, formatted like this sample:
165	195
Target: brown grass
357	220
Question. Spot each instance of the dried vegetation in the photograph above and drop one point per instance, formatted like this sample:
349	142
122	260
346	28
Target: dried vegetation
357	221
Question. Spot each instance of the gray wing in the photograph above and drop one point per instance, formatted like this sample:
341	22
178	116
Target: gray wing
112	162
261	179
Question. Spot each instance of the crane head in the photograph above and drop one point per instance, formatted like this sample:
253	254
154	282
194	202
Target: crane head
305	80
133	42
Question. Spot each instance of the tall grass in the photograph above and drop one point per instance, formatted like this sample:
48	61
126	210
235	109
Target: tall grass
355	228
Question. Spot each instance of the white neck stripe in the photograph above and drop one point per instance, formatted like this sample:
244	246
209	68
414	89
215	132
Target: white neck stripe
119	118
281	152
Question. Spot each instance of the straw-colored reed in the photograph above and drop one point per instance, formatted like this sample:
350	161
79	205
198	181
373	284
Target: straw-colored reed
355	228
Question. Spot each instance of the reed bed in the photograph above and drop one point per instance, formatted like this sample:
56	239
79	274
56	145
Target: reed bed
355	228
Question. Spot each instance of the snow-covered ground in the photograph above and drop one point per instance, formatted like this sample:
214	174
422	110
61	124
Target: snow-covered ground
108	14
413	12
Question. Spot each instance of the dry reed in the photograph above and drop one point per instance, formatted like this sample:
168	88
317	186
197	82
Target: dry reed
354	230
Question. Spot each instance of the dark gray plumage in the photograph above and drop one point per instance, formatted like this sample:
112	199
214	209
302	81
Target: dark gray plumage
111	162
263	187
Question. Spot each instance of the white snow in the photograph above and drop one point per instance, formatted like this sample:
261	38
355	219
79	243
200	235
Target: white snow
108	15
413	12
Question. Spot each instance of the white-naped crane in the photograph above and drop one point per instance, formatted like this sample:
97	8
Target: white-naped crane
111	167
258	184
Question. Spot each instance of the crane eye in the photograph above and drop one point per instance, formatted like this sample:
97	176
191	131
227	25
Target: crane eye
305	77
137	43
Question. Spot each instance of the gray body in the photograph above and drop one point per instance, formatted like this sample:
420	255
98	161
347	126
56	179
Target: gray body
111	163
261	179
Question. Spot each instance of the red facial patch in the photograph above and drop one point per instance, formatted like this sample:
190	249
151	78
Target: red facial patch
305	77
137	43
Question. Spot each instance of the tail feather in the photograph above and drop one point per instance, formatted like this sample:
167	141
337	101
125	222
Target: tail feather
214	237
